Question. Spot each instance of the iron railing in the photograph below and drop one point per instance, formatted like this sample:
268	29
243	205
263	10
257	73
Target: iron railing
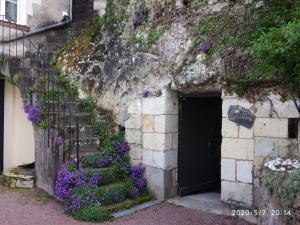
15	44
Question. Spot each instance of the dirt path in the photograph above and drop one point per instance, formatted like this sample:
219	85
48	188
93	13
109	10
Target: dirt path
35	208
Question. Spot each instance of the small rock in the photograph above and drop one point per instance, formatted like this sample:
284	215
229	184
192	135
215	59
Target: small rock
24	184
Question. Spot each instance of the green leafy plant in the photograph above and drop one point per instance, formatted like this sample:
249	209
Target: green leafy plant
104	131
52	94
93	213
66	83
154	35
88	104
284	186
259	44
16	78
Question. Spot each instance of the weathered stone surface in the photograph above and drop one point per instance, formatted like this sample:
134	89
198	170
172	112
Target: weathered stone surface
135	107
166	123
244	171
157	141
9	173
271	127
238	148
282	109
134	122
160	105
229	129
228	169
258	162
274	147
265	147
160	182
194	74
136	151
237	193
245	132
24	183
164	160
148	123
232	100
133	136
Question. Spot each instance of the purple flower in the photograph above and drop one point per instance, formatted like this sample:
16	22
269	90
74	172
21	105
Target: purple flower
58	140
26	107
134	192
203	47
137	173
34	113
138	18
121	147
67	180
145	93
81	196
118	197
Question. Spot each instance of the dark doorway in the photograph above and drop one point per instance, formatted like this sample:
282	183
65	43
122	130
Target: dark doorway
1	122
199	165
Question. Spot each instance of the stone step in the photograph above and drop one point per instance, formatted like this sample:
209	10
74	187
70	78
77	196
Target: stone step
31	63
19	178
82	141
108	176
128	203
65	119
86	149
69	105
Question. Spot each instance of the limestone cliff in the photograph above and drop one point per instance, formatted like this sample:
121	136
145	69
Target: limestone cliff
144	46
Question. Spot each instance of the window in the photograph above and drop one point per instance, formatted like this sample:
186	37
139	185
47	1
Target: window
293	127
11	8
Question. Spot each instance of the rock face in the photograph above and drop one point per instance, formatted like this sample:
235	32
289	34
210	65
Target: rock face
118	67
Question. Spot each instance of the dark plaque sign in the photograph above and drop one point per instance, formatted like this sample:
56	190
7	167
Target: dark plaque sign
241	116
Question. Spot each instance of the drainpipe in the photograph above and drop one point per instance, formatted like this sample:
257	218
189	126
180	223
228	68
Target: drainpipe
43	29
71	10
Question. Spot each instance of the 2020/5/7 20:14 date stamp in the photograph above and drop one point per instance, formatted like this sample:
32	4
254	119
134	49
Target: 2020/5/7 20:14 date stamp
261	212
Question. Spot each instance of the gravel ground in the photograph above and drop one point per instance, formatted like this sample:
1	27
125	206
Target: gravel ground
35	208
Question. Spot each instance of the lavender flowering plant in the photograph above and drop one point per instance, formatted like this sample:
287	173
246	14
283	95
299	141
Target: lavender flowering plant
58	140
84	195
121	147
137	173
34	113
138	18
68	179
203	47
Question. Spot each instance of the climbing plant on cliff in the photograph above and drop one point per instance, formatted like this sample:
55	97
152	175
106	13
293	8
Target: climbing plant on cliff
258	42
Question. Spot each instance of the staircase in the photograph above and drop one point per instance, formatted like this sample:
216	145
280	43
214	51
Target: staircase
27	66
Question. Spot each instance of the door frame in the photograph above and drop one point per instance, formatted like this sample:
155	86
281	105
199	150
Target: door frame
2	92
213	94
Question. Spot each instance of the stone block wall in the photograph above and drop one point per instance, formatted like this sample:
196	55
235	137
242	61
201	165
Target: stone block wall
152	133
244	150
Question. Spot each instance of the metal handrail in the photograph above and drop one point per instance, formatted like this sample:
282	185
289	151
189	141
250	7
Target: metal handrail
51	83
24	34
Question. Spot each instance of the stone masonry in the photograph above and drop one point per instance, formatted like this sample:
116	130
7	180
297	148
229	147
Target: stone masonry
152	132
244	150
